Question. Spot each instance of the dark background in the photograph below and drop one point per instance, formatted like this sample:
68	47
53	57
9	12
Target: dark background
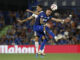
13	4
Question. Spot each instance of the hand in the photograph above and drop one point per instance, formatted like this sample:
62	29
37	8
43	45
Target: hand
67	20
19	21
28	10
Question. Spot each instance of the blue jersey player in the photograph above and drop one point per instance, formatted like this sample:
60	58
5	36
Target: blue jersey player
41	26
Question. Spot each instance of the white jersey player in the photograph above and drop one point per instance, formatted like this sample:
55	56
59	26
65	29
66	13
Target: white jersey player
34	16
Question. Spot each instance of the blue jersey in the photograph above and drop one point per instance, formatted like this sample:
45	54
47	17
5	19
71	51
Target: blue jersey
44	17
38	27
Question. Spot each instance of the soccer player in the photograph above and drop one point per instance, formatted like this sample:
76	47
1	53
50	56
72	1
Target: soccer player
41	23
34	16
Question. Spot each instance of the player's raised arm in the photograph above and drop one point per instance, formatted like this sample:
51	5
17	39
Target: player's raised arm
57	20
60	20
38	10
29	18
37	13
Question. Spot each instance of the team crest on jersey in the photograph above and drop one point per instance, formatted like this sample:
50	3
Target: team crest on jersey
45	19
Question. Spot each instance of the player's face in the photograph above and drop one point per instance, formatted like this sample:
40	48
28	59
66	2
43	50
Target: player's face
48	12
38	8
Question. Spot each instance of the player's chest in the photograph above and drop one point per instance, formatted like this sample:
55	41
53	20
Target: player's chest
45	19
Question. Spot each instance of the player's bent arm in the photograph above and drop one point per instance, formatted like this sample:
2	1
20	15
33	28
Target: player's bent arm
57	20
60	20
37	13
29	18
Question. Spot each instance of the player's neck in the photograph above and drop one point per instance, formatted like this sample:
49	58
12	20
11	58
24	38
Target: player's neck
47	15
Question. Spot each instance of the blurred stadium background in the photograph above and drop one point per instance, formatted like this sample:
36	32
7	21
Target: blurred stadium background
12	10
13	33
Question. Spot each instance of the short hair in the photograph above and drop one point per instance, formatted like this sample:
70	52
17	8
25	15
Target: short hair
40	6
49	9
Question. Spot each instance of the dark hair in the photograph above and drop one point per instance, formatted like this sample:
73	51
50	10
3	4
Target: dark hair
40	6
49	9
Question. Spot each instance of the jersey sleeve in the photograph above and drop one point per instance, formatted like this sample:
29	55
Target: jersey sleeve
33	15
41	15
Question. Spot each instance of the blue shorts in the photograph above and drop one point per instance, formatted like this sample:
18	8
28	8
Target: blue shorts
39	30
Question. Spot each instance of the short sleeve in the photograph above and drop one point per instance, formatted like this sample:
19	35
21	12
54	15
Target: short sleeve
34	15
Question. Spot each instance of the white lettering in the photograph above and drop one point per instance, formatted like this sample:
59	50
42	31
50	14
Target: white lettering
24	50
17	49
11	50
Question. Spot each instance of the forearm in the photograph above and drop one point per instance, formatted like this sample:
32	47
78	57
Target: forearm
30	11
25	20
37	13
57	20
29	18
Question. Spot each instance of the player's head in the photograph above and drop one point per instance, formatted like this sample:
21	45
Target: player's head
48	11
39	8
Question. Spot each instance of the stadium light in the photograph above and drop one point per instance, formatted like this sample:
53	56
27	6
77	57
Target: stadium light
73	3
46	3
64	3
55	2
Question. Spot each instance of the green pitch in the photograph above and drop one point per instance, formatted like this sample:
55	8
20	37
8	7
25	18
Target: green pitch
32	57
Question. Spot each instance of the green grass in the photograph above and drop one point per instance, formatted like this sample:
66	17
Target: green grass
32	57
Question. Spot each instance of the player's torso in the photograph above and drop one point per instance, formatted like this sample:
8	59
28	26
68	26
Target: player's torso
36	17
44	17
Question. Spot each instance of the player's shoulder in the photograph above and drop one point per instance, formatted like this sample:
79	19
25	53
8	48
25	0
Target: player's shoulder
42	12
34	15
